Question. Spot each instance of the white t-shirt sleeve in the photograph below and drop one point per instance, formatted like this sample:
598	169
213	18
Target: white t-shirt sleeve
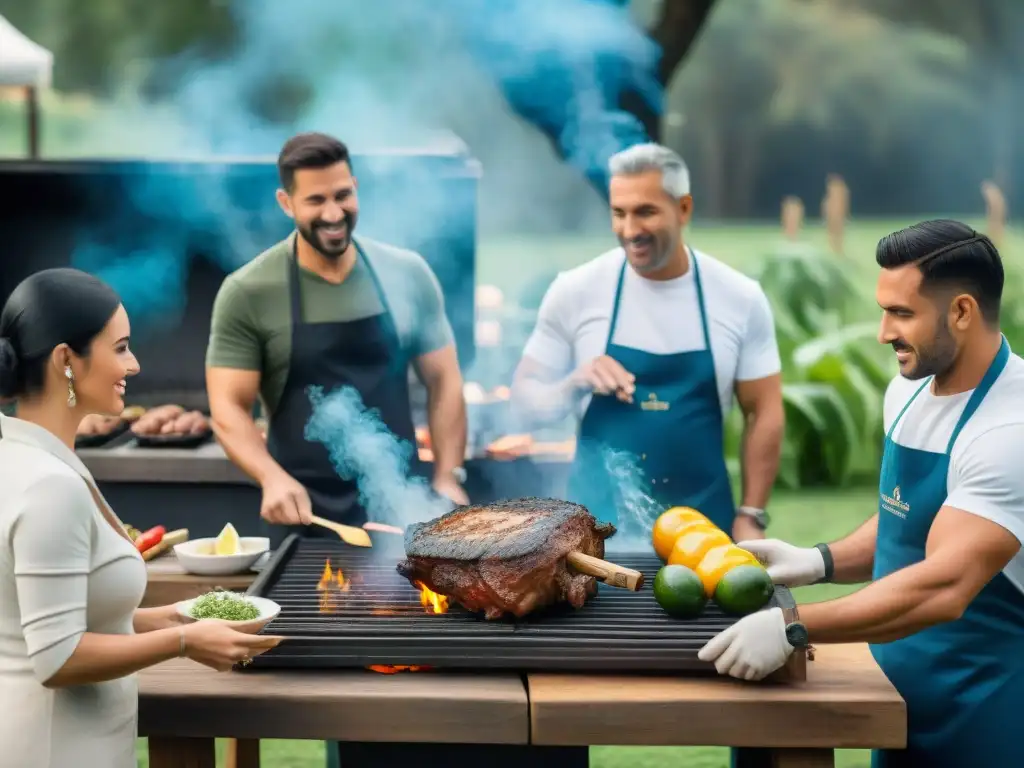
987	478
551	343
51	542
759	349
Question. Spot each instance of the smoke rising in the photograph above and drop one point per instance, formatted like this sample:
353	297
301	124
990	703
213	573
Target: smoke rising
637	509
392	80
364	450
403	74
564	64
145	243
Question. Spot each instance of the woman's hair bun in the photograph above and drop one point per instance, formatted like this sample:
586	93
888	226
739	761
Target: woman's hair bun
8	369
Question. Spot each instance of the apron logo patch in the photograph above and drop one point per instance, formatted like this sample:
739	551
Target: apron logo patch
895	504
652	403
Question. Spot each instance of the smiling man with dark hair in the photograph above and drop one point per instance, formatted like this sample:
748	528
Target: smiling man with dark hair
958	261
945	610
324	308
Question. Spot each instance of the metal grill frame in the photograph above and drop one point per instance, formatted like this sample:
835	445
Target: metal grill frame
616	631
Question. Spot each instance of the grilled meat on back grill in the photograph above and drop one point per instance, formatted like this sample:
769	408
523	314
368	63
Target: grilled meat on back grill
506	557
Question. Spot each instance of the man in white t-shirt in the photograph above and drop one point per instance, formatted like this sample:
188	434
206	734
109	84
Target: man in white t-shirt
945	610
647	345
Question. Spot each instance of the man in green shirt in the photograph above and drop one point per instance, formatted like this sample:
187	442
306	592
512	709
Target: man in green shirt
325	309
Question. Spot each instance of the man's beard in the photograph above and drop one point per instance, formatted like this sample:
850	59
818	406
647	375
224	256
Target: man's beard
935	359
657	256
329	248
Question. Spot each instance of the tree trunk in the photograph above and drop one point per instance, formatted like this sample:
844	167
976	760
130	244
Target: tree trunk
714	173
1004	102
675	32
745	154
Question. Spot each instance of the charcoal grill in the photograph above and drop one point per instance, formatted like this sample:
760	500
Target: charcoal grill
380	621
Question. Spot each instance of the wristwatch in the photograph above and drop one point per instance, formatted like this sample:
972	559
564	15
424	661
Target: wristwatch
796	634
830	565
759	516
459	473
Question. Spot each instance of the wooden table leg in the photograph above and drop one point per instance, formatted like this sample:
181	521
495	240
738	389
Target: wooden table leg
242	753
179	752
803	758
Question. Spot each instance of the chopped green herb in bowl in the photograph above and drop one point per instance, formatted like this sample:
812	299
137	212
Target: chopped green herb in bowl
241	612
224	605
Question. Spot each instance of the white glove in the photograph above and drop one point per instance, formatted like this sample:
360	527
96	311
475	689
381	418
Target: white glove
752	648
786	564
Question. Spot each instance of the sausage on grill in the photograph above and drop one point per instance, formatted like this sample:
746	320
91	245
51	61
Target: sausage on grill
171	420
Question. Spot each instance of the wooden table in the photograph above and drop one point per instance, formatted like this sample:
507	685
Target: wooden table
184	706
846	702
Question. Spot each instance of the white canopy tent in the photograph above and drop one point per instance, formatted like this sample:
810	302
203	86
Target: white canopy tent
25	64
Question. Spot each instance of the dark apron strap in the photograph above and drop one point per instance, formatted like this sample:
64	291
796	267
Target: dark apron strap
295	294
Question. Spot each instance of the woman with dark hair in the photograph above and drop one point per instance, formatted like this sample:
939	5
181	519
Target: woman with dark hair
72	635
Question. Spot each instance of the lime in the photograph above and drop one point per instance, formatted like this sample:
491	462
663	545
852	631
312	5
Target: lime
679	591
744	589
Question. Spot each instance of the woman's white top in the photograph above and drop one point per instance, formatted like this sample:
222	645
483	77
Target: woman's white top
67	567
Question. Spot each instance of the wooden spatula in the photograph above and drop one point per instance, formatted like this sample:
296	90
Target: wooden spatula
611	574
357	537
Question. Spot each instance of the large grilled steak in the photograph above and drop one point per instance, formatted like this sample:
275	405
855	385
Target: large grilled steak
506	557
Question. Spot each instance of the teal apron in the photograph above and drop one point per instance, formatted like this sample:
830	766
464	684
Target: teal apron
673	431
963	681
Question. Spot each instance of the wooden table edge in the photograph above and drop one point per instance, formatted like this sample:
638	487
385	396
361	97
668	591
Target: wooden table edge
495	706
887	709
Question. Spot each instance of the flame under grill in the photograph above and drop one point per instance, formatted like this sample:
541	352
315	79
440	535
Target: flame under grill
380	620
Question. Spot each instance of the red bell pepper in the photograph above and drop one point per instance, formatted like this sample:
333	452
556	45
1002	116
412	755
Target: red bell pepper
150	538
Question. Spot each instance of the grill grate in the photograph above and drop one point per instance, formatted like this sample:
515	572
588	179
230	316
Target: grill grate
380	621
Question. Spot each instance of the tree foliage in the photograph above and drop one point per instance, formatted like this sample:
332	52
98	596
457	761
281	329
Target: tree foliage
735	72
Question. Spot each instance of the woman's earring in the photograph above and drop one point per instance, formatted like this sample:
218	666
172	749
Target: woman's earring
72	400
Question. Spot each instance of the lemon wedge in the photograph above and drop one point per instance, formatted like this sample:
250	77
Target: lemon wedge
227	542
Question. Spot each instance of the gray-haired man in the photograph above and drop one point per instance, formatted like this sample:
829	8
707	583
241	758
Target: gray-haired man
647	345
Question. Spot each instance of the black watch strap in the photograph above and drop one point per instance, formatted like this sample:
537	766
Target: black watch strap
830	564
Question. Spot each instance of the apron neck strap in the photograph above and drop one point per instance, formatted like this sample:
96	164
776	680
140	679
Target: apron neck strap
293	282
996	368
616	301
361	255
892	427
700	299
294	295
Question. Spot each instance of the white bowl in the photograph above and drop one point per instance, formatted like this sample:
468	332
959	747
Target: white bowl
196	556
268	610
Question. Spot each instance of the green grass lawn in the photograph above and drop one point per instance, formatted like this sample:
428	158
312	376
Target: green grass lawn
805	517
